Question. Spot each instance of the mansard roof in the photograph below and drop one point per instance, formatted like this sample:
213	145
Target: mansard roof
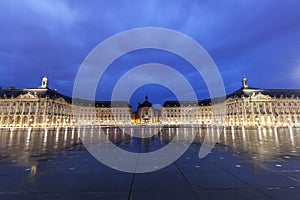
35	92
203	102
146	103
274	93
244	91
248	91
105	104
54	94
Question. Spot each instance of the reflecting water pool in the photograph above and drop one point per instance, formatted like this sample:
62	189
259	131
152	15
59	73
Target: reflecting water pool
261	163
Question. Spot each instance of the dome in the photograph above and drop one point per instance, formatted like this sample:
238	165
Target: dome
146	103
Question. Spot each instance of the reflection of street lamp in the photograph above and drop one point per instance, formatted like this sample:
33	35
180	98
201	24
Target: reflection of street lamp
33	170
257	121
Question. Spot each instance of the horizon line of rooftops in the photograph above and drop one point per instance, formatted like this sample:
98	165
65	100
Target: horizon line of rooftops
44	91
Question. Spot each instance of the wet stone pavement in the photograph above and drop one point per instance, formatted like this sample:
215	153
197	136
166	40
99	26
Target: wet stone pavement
244	164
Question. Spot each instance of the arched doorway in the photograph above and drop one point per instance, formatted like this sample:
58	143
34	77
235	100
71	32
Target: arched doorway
31	121
18	121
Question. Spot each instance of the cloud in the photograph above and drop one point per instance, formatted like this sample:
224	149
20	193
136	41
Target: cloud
255	39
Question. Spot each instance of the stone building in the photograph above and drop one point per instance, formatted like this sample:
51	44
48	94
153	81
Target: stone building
251	106
146	113
39	106
44	107
247	106
186	112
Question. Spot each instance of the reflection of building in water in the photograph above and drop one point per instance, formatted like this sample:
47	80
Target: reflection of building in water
33	169
29	148
261	143
247	106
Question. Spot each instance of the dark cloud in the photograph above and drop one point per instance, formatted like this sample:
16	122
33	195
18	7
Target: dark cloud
256	39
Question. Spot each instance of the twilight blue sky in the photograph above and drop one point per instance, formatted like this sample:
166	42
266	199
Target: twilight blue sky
257	39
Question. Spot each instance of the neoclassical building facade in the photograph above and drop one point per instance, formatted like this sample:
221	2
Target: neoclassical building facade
247	106
250	106
146	113
44	107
